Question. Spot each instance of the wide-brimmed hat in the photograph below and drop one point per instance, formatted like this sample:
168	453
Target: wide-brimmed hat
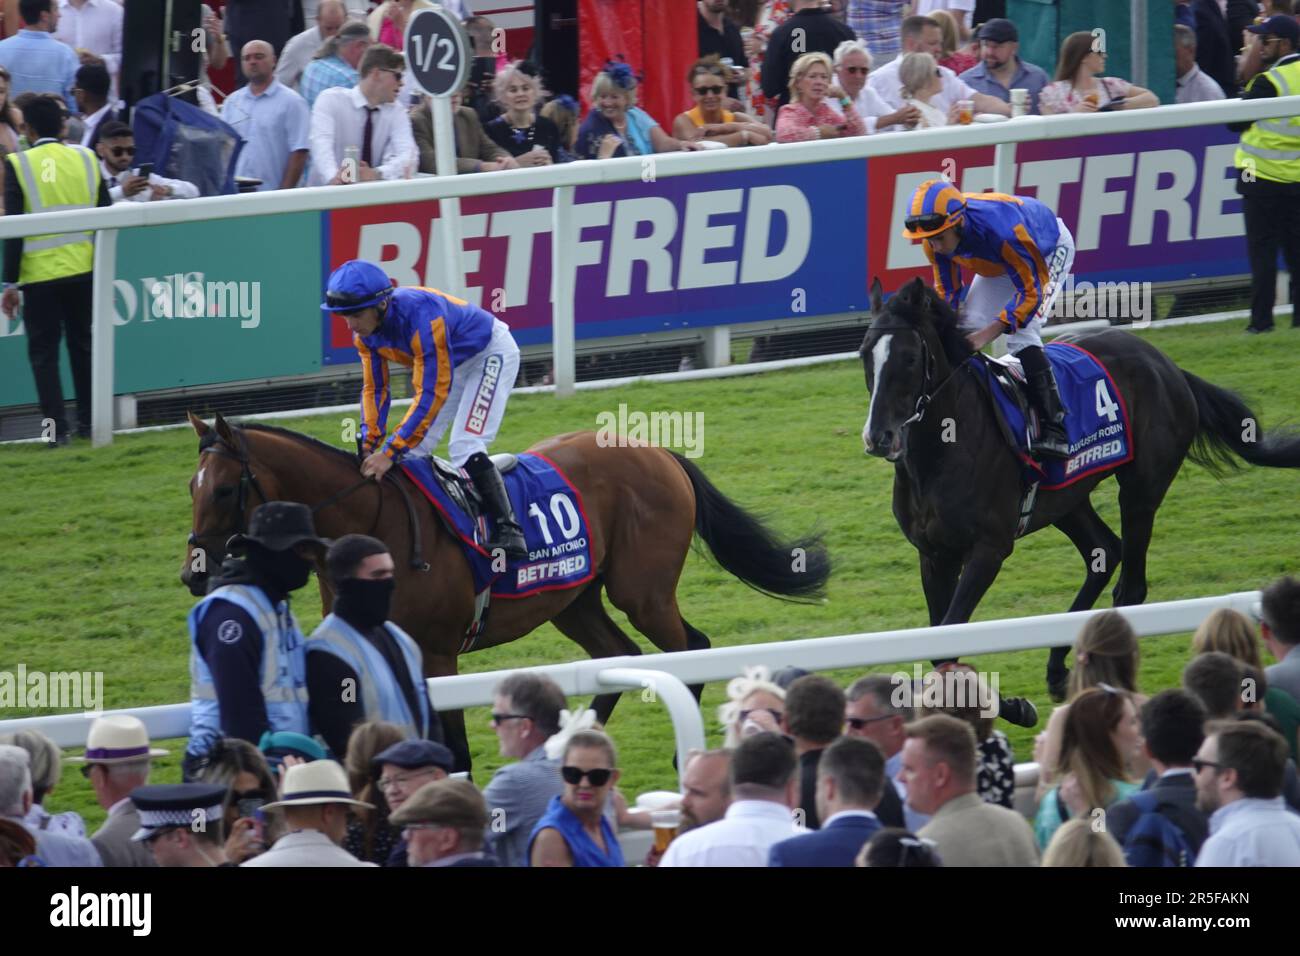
321	781
117	738
278	526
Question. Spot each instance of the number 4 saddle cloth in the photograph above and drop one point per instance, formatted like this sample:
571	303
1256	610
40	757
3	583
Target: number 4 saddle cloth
1096	419
547	506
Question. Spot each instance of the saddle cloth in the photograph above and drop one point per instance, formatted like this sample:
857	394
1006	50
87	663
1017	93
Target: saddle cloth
547	506
1096	420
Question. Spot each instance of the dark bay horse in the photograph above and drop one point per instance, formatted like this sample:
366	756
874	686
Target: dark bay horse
958	500
643	507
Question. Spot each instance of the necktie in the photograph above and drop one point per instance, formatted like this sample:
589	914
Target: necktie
365	136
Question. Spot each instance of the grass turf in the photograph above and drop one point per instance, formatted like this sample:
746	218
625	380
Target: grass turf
93	541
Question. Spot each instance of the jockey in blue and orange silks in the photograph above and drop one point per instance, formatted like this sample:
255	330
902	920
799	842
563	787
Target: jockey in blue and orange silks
463	364
1020	253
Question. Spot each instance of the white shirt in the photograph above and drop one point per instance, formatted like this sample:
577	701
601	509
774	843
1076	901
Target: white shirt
885	82
92	121
922	8
180	188
338	121
295	56
1252	832
741	838
1195	87
871	107
96	27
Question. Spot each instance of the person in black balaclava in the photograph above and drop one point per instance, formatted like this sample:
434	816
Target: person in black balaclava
247	658
360	665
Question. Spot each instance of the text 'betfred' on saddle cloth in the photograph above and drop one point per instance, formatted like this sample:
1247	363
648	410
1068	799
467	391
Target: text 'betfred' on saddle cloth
551	513
1096	422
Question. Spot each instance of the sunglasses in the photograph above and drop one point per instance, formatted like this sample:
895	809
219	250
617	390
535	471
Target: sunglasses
925	223
857	723
776	714
709	90
123	150
1199	765
502	718
574	775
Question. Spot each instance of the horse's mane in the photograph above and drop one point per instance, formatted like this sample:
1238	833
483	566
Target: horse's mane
212	437
917	303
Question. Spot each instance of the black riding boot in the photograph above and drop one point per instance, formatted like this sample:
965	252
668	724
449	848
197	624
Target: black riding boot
1052	438
509	536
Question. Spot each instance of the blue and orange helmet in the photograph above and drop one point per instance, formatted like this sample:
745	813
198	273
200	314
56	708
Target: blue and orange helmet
935	206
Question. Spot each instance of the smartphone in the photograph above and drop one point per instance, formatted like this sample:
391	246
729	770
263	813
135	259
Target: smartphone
259	825
144	169
485	67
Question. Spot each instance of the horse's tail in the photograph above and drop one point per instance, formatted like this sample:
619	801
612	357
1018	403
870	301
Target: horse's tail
743	545
1227	430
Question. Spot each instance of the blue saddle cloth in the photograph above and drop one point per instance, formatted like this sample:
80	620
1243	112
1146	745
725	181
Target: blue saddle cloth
1096	419
548	508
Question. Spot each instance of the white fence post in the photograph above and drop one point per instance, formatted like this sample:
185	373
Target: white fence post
563	285
683	708
102	330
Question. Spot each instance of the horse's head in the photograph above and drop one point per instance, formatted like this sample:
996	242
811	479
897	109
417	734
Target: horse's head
911	344
224	490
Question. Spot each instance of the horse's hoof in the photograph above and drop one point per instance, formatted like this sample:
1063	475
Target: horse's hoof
1058	685
1019	711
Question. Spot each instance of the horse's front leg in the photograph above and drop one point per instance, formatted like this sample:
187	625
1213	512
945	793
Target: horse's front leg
977	576
939	575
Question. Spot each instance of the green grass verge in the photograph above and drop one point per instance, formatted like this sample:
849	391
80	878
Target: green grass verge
93	542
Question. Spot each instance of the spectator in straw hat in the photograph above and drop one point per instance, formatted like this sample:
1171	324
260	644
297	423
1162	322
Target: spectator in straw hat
315	802
443	824
117	761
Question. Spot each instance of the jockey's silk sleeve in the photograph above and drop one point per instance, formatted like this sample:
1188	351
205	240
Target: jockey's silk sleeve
947	276
1028	272
430	384
374	396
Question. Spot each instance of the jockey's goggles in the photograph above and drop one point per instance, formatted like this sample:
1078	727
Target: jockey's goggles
346	302
931	224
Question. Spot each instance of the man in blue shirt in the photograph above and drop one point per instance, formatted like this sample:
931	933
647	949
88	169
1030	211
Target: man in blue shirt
35	60
1001	69
272	119
336	64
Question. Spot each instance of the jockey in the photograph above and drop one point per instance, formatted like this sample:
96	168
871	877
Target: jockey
463	363
1020	254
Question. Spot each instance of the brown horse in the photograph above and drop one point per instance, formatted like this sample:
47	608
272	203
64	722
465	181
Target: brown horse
643	506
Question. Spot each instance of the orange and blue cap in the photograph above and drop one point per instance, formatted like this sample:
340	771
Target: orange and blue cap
935	206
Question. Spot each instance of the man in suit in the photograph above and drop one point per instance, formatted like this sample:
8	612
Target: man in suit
1279	625
814	716
117	760
315	804
443	824
1215	51
53	848
939	767
1173	724
474	150
877	709
91	94
850	780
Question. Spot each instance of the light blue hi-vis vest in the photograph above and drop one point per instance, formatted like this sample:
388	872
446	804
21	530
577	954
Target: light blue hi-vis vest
381	695
284	667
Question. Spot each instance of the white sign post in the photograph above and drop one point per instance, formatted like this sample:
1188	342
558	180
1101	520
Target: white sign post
437	56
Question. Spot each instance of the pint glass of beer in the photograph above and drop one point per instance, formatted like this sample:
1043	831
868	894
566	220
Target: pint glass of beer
665	823
965	112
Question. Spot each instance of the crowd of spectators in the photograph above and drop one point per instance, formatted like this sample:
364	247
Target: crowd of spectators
892	771
769	71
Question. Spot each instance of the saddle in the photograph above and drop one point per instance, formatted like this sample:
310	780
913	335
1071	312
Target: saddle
460	489
1007	375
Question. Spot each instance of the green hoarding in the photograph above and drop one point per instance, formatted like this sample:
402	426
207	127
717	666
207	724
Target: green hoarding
197	303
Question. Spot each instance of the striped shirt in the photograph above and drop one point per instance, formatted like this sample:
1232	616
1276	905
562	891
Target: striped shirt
876	22
323	74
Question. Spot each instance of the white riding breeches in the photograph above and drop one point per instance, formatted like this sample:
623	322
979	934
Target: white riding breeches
989	295
476	402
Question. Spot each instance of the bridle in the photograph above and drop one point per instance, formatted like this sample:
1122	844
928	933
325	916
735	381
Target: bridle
248	483
927	374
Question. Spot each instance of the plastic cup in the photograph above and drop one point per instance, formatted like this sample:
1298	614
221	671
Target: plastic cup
665	823
965	112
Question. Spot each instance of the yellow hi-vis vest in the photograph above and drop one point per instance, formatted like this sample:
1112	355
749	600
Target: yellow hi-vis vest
1272	146
55	177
